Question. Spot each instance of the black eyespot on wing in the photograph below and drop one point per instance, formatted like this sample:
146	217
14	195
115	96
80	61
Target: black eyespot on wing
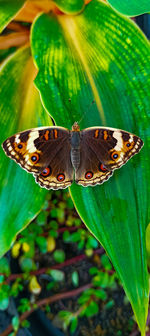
102	168
35	157
114	155
88	175
60	177
46	172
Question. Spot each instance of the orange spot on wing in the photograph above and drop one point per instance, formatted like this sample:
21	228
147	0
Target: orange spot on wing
96	134
105	135
46	135
55	134
127	146
20	147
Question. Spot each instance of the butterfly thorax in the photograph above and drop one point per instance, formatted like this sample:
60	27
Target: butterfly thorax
75	146
75	127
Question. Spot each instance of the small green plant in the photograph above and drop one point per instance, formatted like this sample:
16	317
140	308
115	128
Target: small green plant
29	253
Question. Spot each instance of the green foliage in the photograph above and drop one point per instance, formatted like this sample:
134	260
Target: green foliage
75	278
27	264
54	279
4	296
24	305
41	242
70	6
91	309
41	218
103	279
25	324
19	204
97	56
15	322
106	262
73	324
57	275
8	9
131	9
59	256
111	70
82	237
4	266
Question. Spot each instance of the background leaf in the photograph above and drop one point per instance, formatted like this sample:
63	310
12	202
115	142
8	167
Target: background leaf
8	9
70	6
102	56
131	8
20	197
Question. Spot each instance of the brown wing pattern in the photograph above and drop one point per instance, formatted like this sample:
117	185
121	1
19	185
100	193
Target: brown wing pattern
106	149
45	152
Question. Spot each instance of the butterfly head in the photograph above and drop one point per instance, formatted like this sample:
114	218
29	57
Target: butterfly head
75	127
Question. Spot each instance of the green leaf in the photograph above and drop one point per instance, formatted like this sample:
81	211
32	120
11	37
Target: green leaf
4	303
57	275
105	262
91	243
101	294
59	256
92	309
42	243
20	108
74	324
102	56
75	278
110	304
26	264
42	218
15	322
133	8
8	9
4	266
70	6
64	314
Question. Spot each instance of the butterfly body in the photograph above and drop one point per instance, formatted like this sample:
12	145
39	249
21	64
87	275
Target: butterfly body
56	156
75	146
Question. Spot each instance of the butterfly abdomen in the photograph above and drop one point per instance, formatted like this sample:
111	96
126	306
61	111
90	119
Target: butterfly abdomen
75	149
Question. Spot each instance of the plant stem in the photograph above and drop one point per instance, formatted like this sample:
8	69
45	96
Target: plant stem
57	266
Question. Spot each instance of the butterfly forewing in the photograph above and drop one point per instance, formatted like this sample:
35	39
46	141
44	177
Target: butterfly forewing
113	147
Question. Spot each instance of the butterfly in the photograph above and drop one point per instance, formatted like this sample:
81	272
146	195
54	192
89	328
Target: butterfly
57	156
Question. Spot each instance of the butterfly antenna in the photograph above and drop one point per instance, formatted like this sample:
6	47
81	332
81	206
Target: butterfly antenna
85	112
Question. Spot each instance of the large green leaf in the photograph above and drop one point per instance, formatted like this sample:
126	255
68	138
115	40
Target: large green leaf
102	56
20	108
8	9
132	7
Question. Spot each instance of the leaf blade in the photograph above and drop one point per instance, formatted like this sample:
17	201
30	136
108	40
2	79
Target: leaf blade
8	9
20	108
112	50
133	9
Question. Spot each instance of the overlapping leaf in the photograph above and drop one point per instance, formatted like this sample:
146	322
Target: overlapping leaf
101	56
70	6
20	197
8	9
132	7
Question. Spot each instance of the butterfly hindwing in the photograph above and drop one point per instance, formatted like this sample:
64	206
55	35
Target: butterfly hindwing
40	151
91	170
